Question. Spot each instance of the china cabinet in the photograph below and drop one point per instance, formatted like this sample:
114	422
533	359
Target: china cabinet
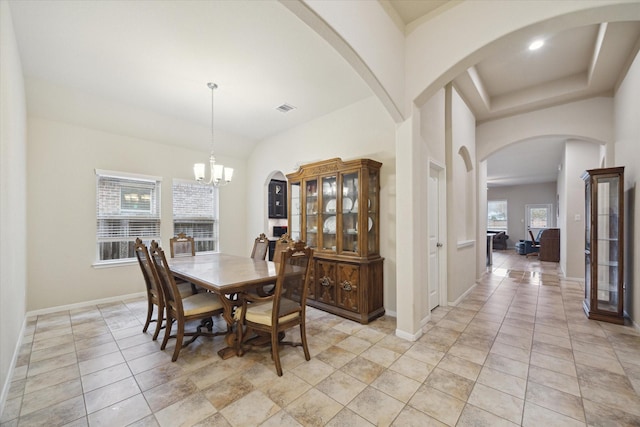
334	206
604	215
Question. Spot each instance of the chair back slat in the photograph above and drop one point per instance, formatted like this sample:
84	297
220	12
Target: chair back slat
292	280
182	245
148	271
281	244
260	247
172	297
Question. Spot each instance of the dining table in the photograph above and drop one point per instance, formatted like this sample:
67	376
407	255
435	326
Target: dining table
225	275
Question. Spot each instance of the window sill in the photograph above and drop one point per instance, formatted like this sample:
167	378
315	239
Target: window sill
114	263
466	243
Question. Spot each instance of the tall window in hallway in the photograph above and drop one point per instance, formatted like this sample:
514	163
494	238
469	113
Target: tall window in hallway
497	218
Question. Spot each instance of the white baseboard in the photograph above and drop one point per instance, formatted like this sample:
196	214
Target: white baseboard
7	384
85	304
407	336
463	296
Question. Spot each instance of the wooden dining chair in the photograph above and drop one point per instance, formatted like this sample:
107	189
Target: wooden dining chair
260	247
535	246
182	245
201	306
285	309
281	244
155	296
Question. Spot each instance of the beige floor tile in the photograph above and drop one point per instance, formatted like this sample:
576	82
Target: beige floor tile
108	395
41	399
280	419
605	363
228	390
186	412
51	378
363	369
498	403
441	406
380	355
424	353
565	383
313	408
347	418
396	385
473	416
101	362
450	383
168	393
313	371
460	366
412	417
354	344
551	363
535	416
503	382
376	407
599	414
122	413
555	400
251	409
511	352
470	354
60	413
507	365
336	356
283	392
341	387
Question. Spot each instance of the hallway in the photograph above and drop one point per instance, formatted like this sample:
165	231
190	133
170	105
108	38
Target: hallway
517	351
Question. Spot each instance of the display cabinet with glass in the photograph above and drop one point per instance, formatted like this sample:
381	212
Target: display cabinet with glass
604	220
334	208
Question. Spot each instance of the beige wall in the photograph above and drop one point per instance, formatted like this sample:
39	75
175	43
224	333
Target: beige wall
62	159
462	200
13	177
627	154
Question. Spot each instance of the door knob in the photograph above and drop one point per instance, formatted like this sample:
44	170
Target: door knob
439	244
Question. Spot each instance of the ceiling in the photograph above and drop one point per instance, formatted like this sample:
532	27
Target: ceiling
158	56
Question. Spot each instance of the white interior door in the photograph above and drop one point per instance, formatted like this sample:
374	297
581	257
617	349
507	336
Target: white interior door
434	238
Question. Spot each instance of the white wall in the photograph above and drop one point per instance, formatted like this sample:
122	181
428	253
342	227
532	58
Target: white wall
62	159
361	130
591	119
461	200
579	156
627	153
518	196
13	177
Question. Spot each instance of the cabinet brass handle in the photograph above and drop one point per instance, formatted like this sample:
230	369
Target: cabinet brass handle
346	286
325	281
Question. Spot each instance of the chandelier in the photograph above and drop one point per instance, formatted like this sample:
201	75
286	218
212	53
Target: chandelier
219	175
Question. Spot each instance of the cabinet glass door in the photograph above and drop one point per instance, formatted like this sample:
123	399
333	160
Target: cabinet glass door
587	242
373	204
296	217
350	212
311	220
328	216
607	233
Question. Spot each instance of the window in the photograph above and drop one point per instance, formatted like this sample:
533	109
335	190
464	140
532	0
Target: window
127	207
195	213
539	216
497	215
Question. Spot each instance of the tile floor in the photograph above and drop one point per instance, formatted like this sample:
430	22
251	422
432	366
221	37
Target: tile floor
517	351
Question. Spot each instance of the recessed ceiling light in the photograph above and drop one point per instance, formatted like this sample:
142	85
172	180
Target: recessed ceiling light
537	44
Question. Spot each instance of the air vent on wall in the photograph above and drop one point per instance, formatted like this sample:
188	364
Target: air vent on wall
285	108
